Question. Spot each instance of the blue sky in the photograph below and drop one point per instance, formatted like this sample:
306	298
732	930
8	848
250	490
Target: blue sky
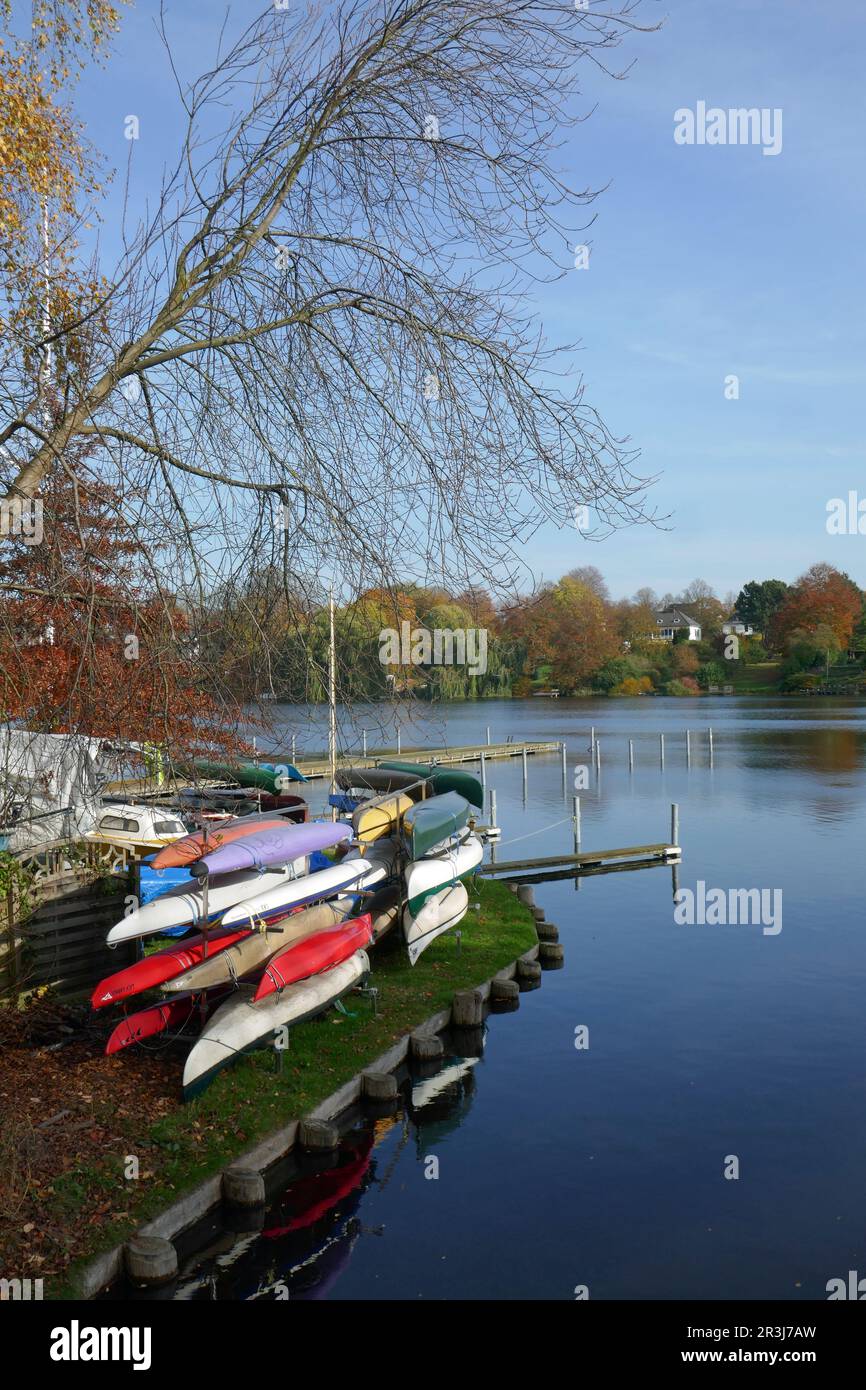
705	261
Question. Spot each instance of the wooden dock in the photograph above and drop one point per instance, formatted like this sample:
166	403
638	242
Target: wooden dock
597	861
469	753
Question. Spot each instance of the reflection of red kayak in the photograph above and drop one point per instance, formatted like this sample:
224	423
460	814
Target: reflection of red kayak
314	1196
163	965
147	1023
314	953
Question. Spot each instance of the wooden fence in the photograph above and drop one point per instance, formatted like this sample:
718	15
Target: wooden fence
53	931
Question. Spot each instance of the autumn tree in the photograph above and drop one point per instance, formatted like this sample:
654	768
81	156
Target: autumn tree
822	597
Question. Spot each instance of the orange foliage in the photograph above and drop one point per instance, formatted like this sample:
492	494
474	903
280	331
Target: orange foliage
823	596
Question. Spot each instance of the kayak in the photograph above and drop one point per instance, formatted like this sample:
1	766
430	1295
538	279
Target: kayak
444	779
239	801
184	905
268	778
440	911
278	899
239	1025
371	822
200	842
384	910
426	876
254	949
378	779
148	1023
272	844
163	965
313	954
430	823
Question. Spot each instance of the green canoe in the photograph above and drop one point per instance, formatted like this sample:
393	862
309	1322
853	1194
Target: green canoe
445	779
266	779
432	821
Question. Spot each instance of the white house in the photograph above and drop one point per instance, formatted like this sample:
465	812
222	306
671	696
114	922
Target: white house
670	621
735	624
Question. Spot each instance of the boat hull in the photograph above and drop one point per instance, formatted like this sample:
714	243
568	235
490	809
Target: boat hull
163	965
441	911
313	954
255	949
272	844
298	892
433	821
184	906
240	1026
426	876
443	779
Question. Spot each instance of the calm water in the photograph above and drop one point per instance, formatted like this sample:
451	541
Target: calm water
604	1167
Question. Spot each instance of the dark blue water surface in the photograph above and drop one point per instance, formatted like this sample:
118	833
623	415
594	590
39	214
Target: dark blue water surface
605	1167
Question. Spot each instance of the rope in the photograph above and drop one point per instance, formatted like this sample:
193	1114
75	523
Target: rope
500	844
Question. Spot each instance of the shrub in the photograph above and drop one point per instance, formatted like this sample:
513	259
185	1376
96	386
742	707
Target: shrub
633	685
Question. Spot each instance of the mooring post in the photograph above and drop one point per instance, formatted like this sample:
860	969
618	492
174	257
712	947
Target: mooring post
662	749
598	757
483	770
592	740
493	806
525	774
488	735
711	747
631	755
576	819
398	741
688	747
675	823
364	736
293	747
564	761
255	751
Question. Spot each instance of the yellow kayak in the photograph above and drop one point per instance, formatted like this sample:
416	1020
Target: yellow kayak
382	817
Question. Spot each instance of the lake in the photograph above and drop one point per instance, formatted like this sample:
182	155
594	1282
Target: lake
605	1166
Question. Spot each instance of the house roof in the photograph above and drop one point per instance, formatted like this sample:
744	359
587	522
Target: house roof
674	617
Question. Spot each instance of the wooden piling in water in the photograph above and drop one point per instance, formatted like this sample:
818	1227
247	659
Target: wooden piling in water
243	1187
150	1261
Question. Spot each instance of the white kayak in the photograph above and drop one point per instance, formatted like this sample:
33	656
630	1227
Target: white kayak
426	876
352	873
439	912
239	1025
184	905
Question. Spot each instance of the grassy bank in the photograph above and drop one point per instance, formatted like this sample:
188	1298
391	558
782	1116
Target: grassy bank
73	1200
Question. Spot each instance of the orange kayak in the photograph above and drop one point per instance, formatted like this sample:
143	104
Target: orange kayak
193	847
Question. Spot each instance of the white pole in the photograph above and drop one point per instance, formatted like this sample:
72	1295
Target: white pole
564	761
576	819
631	755
598	757
365	743
293	747
662	749
492	806
332	702
675	823
688	747
483	771
488	735
711	747
525	774
398	740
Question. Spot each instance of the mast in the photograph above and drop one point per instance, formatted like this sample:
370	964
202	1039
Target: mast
332	702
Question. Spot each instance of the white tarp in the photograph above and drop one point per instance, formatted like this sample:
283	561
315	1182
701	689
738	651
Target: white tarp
50	785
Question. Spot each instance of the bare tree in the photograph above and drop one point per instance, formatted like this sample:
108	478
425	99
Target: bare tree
320	352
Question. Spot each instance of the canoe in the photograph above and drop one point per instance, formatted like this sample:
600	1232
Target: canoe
426	826
444	779
232	799
183	906
239	1025
313	954
426	876
377	779
156	1019
279	898
193	846
272	844
253	950
163	965
269	778
383	818
439	912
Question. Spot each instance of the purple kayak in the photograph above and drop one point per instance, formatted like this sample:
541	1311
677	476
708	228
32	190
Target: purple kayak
276	844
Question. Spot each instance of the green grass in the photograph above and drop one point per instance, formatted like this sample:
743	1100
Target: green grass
761	678
251	1099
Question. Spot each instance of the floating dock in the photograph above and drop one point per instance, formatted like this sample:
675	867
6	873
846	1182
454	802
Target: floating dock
468	753
591	861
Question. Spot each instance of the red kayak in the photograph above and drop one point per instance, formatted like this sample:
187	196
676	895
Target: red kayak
163	965
147	1023
200	842
313	953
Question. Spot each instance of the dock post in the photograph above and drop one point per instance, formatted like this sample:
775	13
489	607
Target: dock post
711	747
525	774
576	819
483	771
592	740
675	823
364	736
564	761
662	749
688	747
398	742
293	747
598	757
492	806
631	755
488	735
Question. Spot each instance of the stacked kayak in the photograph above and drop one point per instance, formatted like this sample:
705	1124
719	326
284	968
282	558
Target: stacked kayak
442	779
437	835
431	825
